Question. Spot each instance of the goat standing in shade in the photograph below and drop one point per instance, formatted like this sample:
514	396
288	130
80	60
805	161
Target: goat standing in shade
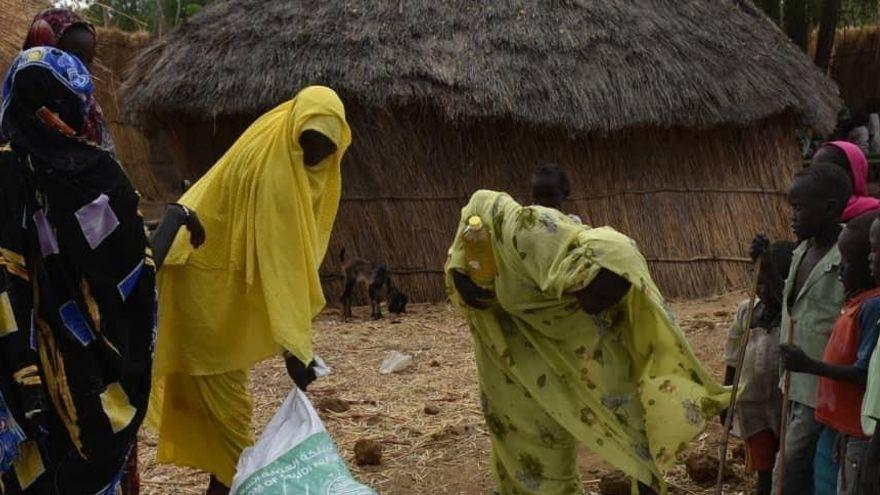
377	279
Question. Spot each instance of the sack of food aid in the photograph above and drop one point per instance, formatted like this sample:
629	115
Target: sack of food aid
295	456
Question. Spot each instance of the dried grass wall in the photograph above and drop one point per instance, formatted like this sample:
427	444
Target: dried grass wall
15	18
115	49
692	199
856	64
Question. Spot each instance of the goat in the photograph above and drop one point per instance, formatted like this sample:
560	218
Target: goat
377	279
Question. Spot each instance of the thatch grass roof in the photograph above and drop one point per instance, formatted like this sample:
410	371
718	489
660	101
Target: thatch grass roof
597	65
15	19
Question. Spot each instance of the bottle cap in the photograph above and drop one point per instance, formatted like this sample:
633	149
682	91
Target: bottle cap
475	222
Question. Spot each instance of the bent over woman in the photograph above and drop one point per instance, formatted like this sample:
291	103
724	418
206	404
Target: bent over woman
574	343
252	290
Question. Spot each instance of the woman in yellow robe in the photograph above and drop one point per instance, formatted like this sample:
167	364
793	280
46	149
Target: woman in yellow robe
253	288
575	344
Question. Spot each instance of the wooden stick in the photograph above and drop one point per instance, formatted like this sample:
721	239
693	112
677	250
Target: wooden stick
783	427
741	354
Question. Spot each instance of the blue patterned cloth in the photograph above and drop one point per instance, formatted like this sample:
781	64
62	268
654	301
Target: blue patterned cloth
11	435
66	68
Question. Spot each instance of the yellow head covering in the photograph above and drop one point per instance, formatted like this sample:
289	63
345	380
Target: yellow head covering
254	285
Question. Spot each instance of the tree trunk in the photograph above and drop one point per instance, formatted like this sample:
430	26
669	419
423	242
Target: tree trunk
797	22
827	32
160	18
773	9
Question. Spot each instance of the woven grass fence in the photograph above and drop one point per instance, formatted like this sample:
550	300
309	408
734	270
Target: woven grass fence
115	49
856	64
692	200
15	18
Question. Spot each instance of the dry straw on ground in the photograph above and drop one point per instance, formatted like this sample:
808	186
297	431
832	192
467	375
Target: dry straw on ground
442	454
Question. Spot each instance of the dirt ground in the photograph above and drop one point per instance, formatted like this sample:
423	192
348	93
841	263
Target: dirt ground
446	453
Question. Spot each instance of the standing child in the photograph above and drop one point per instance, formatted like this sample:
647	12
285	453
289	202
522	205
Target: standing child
853	161
758	408
551	187
869	482
842	371
811	302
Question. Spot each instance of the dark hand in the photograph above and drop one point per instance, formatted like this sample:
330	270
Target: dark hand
606	290
34	404
795	359
196	230
759	246
472	294
301	374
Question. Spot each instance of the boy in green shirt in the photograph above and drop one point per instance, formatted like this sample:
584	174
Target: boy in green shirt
812	299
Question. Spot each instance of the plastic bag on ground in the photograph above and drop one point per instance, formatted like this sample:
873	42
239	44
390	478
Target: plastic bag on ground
394	362
295	456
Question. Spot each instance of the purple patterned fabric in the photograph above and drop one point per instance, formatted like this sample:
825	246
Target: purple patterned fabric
97	220
46	234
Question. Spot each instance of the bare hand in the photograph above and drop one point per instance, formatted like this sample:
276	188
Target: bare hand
301	374
472	294
795	359
196	230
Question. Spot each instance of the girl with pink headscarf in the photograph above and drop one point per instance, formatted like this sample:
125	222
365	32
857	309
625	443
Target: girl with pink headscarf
853	160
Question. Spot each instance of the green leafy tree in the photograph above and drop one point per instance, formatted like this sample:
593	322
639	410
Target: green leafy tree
799	18
131	15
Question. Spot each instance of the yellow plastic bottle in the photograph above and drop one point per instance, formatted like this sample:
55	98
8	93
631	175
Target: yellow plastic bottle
478	253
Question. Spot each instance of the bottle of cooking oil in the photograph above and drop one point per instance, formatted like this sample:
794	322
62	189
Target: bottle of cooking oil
478	253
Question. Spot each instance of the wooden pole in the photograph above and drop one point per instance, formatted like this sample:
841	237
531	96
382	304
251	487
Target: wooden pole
741	354
783	427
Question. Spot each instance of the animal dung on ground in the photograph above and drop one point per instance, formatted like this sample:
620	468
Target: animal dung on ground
702	468
615	483
432	410
435	364
367	453
394	362
451	431
333	404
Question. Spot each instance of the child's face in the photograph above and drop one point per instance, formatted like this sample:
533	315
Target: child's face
546	191
874	258
811	214
770	286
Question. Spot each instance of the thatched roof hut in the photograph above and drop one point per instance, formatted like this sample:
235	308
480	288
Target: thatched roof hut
675	119
15	19
114	52
855	64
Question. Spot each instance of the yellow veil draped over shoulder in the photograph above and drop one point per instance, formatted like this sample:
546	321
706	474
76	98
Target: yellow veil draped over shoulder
254	286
